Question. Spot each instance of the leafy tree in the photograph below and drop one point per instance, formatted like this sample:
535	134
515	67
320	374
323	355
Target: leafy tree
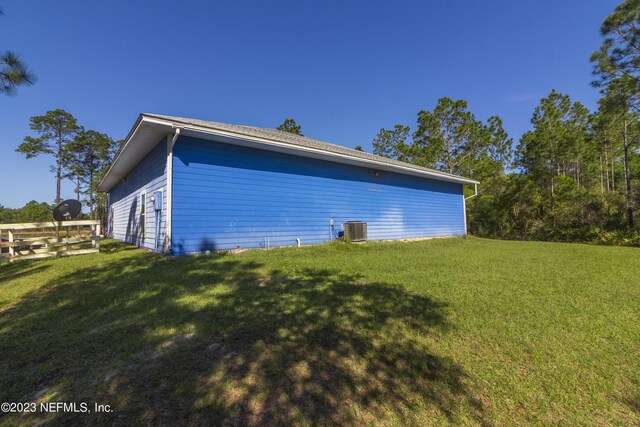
13	72
508	206
618	58
31	212
605	135
555	146
444	135
55	130
451	139
290	125
101	199
488	152
579	173
391	143
496	153
85	156
617	104
7	215
35	212
575	179
580	154
617	71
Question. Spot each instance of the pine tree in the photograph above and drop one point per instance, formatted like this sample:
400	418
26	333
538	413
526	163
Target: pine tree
56	129
290	126
13	72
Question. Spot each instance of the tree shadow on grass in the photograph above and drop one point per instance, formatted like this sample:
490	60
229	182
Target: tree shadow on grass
17	269
632	400
213	340
112	246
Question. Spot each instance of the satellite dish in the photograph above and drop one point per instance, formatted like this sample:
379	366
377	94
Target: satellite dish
67	210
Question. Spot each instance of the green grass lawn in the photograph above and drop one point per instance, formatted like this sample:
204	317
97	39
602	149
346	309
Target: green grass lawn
447	331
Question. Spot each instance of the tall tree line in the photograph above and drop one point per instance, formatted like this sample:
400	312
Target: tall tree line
450	139
574	176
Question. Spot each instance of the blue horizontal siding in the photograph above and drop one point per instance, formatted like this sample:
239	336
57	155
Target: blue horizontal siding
225	196
148	176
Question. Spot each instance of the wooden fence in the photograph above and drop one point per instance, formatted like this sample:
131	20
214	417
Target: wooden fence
38	239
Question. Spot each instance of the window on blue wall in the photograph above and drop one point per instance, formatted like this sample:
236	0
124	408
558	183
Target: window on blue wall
142	214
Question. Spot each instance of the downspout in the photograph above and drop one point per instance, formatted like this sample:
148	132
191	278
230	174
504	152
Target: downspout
171	141
475	187
464	205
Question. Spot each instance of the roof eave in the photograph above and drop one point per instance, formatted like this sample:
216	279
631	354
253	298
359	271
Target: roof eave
116	173
273	145
162	126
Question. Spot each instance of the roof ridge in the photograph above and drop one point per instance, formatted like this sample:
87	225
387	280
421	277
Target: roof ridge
283	133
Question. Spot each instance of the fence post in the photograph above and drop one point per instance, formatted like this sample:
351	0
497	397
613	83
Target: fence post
11	251
97	241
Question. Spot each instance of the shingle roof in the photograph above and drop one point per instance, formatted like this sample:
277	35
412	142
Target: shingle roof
297	140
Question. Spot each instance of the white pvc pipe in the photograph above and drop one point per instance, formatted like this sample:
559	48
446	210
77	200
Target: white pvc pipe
475	194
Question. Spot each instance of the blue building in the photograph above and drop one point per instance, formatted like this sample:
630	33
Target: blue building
189	186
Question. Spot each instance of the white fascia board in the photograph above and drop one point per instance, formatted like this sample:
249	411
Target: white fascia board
135	147
102	185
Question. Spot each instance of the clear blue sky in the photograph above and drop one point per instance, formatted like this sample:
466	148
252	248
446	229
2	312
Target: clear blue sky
342	69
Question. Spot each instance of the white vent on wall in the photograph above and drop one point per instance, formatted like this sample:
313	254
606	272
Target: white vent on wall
355	231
